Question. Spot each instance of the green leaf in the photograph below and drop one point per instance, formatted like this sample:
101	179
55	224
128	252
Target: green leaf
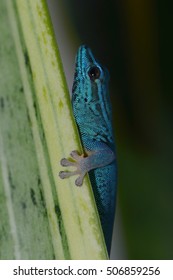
41	216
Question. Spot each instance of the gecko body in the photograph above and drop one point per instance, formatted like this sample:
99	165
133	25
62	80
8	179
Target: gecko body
92	111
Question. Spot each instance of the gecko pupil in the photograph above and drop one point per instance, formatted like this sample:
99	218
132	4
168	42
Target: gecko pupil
94	73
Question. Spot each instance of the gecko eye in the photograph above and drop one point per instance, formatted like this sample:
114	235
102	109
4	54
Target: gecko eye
94	73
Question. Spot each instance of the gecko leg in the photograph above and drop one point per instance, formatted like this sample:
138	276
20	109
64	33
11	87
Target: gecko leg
76	163
99	156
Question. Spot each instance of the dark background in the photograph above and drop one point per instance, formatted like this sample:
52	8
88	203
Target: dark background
133	38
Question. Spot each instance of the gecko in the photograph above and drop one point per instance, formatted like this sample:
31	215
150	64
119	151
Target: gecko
93	115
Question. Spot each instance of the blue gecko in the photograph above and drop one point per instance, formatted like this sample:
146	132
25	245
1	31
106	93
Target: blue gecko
93	115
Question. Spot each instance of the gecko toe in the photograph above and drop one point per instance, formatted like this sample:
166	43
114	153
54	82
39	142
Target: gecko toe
64	174
67	174
79	181
66	162
63	161
75	155
61	174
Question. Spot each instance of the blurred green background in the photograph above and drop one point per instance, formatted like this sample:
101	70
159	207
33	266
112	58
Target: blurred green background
133	38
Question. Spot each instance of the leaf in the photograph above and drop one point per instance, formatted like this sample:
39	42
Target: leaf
41	216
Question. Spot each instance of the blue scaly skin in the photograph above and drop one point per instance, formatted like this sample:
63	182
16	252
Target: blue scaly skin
92	112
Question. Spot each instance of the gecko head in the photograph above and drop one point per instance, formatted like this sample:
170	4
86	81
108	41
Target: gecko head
89	75
90	97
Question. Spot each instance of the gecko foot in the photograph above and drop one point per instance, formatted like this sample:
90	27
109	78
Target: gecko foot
78	160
